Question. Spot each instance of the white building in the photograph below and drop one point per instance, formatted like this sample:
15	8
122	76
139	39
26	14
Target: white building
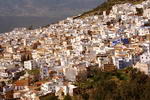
29	64
146	13
145	57
48	87
3	74
44	72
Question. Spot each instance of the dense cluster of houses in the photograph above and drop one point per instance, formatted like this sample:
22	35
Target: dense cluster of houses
34	63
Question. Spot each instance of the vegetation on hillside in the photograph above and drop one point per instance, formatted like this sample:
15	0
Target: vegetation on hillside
34	75
49	97
106	6
127	84
34	72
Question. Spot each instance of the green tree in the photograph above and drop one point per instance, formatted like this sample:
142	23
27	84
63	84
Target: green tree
67	97
49	97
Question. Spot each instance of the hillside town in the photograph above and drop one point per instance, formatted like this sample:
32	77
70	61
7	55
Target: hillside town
50	59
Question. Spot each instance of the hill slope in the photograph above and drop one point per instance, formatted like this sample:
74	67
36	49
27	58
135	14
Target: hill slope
106	6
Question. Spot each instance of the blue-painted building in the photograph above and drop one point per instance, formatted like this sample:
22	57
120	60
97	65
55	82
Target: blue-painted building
115	42
121	40
125	41
123	63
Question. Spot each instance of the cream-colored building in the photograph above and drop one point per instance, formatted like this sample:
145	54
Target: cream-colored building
143	67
